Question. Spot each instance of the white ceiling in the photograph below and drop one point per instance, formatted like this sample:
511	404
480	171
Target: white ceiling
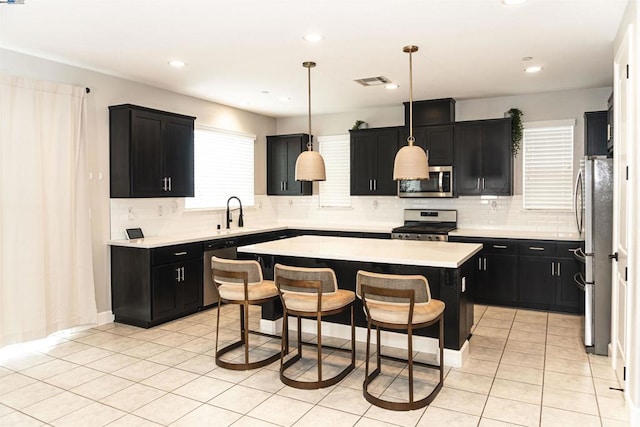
236	50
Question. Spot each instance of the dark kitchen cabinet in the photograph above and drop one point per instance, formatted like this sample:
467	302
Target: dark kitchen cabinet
496	270
595	133
436	140
483	160
153	286
610	126
373	152
151	152
546	271
282	153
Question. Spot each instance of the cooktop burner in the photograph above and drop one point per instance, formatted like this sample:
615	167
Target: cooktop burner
426	225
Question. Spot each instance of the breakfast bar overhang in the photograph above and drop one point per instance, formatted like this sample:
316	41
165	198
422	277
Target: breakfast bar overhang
449	268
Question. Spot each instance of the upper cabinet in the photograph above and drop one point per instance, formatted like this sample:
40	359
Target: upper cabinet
595	133
483	160
373	152
151	152
436	140
282	153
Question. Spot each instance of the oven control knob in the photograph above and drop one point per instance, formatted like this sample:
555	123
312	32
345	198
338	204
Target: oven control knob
406	236
418	237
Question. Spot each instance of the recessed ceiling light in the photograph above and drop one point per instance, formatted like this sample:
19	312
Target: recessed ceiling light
391	86
313	37
264	92
533	69
527	58
512	2
177	64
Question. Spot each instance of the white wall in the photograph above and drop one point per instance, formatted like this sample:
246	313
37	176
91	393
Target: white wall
108	90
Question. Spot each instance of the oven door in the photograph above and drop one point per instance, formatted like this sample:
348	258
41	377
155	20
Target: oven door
439	184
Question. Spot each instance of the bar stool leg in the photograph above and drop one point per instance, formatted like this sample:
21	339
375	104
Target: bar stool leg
319	343
410	362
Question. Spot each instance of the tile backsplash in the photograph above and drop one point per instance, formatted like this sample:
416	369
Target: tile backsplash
167	216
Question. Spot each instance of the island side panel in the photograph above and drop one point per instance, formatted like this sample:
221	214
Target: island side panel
445	284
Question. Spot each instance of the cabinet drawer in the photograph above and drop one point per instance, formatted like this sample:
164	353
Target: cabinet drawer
565	249
506	247
176	253
537	248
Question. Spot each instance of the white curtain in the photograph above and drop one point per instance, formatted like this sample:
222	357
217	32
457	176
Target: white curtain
46	274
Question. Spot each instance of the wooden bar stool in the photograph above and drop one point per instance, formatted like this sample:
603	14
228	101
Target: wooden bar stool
240	282
311	293
399	302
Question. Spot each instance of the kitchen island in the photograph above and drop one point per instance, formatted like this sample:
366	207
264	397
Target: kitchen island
447	266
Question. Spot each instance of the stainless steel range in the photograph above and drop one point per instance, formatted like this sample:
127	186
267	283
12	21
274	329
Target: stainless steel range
426	224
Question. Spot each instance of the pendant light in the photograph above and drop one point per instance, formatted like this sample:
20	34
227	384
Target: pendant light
310	164
411	161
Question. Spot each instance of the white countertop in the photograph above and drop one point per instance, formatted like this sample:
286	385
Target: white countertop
168	240
428	254
516	234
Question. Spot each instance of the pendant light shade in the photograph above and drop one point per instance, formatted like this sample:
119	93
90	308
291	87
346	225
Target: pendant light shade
310	164
411	161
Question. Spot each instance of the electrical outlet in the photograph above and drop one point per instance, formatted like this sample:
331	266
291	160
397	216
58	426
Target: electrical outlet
159	210
131	214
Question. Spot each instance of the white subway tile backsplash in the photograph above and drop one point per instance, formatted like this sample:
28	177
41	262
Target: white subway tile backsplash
168	216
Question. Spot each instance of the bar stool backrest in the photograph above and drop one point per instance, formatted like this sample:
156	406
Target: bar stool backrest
252	268
418	283
326	276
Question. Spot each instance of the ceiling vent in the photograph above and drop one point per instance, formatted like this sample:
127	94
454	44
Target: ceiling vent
373	81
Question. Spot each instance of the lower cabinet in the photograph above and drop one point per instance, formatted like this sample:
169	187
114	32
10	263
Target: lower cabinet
534	274
152	286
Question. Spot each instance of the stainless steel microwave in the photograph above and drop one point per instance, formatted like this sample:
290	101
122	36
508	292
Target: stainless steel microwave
439	184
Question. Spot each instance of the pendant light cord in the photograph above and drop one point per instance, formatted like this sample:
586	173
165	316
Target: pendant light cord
309	144
410	139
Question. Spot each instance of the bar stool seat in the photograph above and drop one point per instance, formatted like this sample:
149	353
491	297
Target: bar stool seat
399	302
240	282
311	293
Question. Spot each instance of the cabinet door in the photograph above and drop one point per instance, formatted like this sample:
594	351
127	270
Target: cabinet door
276	165
439	142
363	164
190	287
568	296
537	281
294	147
497	165
178	156
386	149
164	296
147	154
500	278
468	155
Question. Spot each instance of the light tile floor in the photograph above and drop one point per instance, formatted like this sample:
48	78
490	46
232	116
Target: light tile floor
525	368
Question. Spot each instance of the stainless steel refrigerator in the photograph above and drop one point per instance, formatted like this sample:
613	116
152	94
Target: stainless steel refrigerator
594	217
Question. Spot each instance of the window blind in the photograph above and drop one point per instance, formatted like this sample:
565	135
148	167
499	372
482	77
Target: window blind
548	165
335	191
223	167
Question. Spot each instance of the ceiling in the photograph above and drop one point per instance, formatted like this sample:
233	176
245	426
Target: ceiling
249	53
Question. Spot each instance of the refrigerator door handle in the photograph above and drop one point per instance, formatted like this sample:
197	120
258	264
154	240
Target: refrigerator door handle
577	194
578	280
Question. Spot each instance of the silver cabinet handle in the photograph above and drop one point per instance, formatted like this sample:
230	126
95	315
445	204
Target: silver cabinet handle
536	248
375	184
180	253
164	184
178	274
558	268
182	273
370	185
483	183
500	246
478	184
169	183
485	264
553	268
608	132
479	264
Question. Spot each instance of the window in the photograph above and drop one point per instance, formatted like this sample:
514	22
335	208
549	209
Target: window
335	191
223	167
548	165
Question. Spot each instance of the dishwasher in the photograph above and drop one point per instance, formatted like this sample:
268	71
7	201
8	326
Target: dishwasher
222	249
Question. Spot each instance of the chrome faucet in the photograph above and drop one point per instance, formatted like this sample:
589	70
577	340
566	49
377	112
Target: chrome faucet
240	218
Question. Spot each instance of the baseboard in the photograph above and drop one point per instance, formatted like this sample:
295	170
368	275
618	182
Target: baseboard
453	358
105	317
